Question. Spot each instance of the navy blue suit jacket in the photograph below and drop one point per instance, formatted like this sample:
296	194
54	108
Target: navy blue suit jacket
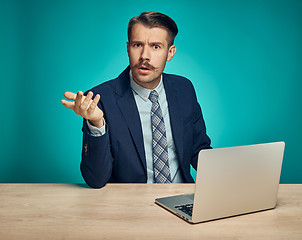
119	156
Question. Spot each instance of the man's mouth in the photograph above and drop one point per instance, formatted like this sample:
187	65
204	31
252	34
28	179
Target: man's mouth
144	68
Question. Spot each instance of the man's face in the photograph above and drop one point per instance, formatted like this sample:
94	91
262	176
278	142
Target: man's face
148	52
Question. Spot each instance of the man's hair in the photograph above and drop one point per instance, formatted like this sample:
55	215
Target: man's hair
155	19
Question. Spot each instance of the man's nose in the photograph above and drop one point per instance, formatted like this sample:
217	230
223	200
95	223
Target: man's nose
145	54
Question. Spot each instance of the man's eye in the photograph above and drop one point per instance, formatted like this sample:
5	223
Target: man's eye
136	45
156	47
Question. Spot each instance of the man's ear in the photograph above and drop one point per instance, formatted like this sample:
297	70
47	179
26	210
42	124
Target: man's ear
128	47
171	52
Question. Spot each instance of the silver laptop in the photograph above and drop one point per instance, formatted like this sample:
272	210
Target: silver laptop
229	182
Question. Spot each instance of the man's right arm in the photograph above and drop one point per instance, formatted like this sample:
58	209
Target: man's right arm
96	165
95	131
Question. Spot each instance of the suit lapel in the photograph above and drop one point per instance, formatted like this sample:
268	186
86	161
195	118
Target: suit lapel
175	115
128	108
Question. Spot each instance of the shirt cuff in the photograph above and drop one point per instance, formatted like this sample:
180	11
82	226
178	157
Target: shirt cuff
96	132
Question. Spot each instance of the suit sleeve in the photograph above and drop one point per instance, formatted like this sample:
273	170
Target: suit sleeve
97	160
200	138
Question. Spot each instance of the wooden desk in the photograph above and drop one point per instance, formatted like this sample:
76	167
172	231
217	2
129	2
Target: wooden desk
127	211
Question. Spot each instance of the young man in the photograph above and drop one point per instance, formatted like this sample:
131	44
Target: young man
143	126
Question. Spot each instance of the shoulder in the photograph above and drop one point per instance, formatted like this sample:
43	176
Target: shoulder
178	81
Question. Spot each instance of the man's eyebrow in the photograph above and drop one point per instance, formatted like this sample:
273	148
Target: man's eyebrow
156	43
152	43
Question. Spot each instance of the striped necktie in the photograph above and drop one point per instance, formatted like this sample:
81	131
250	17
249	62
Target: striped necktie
159	142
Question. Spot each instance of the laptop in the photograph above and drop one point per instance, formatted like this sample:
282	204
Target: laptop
230	182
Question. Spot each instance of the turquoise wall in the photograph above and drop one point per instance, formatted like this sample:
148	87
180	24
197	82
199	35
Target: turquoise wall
243	57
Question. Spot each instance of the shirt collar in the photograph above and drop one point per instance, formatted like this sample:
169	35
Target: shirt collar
142	92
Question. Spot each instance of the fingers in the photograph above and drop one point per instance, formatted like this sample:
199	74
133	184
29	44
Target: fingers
87	101
94	103
77	102
83	105
67	104
70	95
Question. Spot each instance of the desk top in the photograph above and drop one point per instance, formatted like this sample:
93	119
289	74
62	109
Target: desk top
128	211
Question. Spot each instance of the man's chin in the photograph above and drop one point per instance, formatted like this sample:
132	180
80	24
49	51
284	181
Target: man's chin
146	81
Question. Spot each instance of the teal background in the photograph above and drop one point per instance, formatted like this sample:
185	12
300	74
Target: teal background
243	57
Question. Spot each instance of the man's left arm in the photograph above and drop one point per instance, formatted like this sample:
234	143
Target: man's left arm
200	138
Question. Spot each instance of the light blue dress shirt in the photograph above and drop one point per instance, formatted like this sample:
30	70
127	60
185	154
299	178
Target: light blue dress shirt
144	105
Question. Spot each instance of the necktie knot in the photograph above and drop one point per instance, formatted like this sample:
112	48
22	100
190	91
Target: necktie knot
153	96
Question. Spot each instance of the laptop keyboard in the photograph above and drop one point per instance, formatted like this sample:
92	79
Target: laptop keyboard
186	208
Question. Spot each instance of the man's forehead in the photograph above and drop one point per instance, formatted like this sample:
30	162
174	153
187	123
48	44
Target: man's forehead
152	32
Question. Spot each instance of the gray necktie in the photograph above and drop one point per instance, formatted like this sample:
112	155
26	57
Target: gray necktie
159	142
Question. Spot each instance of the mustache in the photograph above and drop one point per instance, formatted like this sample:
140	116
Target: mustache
145	64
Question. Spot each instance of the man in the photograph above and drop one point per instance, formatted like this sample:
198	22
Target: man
143	126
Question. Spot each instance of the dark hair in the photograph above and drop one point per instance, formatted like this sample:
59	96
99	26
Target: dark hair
155	19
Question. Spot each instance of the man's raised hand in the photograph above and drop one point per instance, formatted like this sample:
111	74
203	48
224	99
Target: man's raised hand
85	107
